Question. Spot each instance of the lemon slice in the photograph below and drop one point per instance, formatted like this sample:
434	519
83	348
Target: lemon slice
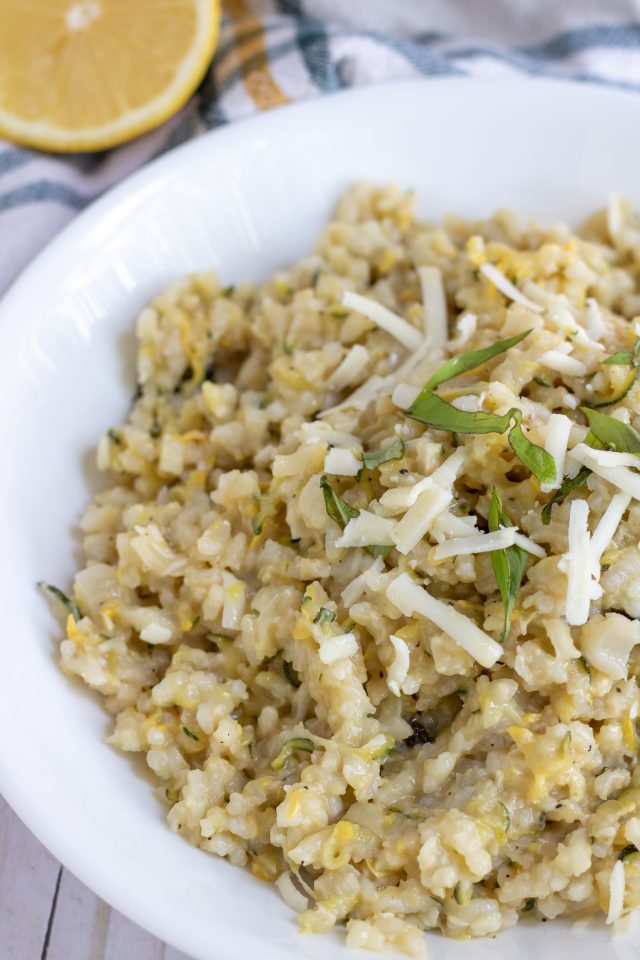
88	74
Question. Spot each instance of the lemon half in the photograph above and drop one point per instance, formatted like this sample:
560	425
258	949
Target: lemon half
89	74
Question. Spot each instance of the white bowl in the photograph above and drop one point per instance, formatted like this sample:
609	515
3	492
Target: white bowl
245	200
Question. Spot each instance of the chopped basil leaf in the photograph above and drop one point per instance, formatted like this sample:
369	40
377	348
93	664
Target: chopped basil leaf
73	609
374	458
436	412
190	733
432	410
569	484
542	382
228	291
529	904
508	564
297	743
256	524
324	615
613	433
535	458
290	674
337	508
115	437
626	357
469	360
375	550
409	814
155	430
584	666
316	276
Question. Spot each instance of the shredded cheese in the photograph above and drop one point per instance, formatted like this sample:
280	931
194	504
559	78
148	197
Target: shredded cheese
350	368
466	326
399	668
596	327
577	565
341	462
362	397
337	648
384	318
448	525
365	529
435	305
556	441
607	526
354	590
616	892
319	432
481	543
621	477
411	598
418	518
557	360
397	499
526	543
404	395
498	279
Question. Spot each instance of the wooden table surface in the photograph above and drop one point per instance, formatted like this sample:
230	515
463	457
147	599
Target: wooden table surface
46	914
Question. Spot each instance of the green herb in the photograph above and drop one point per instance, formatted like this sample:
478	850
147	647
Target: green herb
569	484
337	508
613	433
409	814
172	795
508	564
228	291
628	851
150	648
432	410
315	276
535	458
189	733
297	743
73	609
584	666
138	392
155	430
626	357
469	360
290	674
375	458
289	348
542	382
256	524
376	550
542	820
115	437
324	615
529	904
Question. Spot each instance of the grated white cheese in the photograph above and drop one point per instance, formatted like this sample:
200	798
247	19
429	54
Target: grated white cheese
560	361
561	316
354	590
466	326
611	458
234	592
350	368
365	529
319	432
616	892
399	668
341	462
338	648
404	395
481	543
621	477
468	402
498	279
448	525
435	305
526	543
419	517
577	565
607	526
156	633
384	318
397	499
556	441
411	598
596	327
362	397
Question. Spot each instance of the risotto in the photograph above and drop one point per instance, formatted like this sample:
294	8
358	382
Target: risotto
364	582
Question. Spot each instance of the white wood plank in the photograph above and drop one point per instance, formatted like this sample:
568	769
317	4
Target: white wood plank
80	923
28	877
128	940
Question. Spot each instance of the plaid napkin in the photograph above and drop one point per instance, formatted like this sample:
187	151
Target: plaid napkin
272	52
